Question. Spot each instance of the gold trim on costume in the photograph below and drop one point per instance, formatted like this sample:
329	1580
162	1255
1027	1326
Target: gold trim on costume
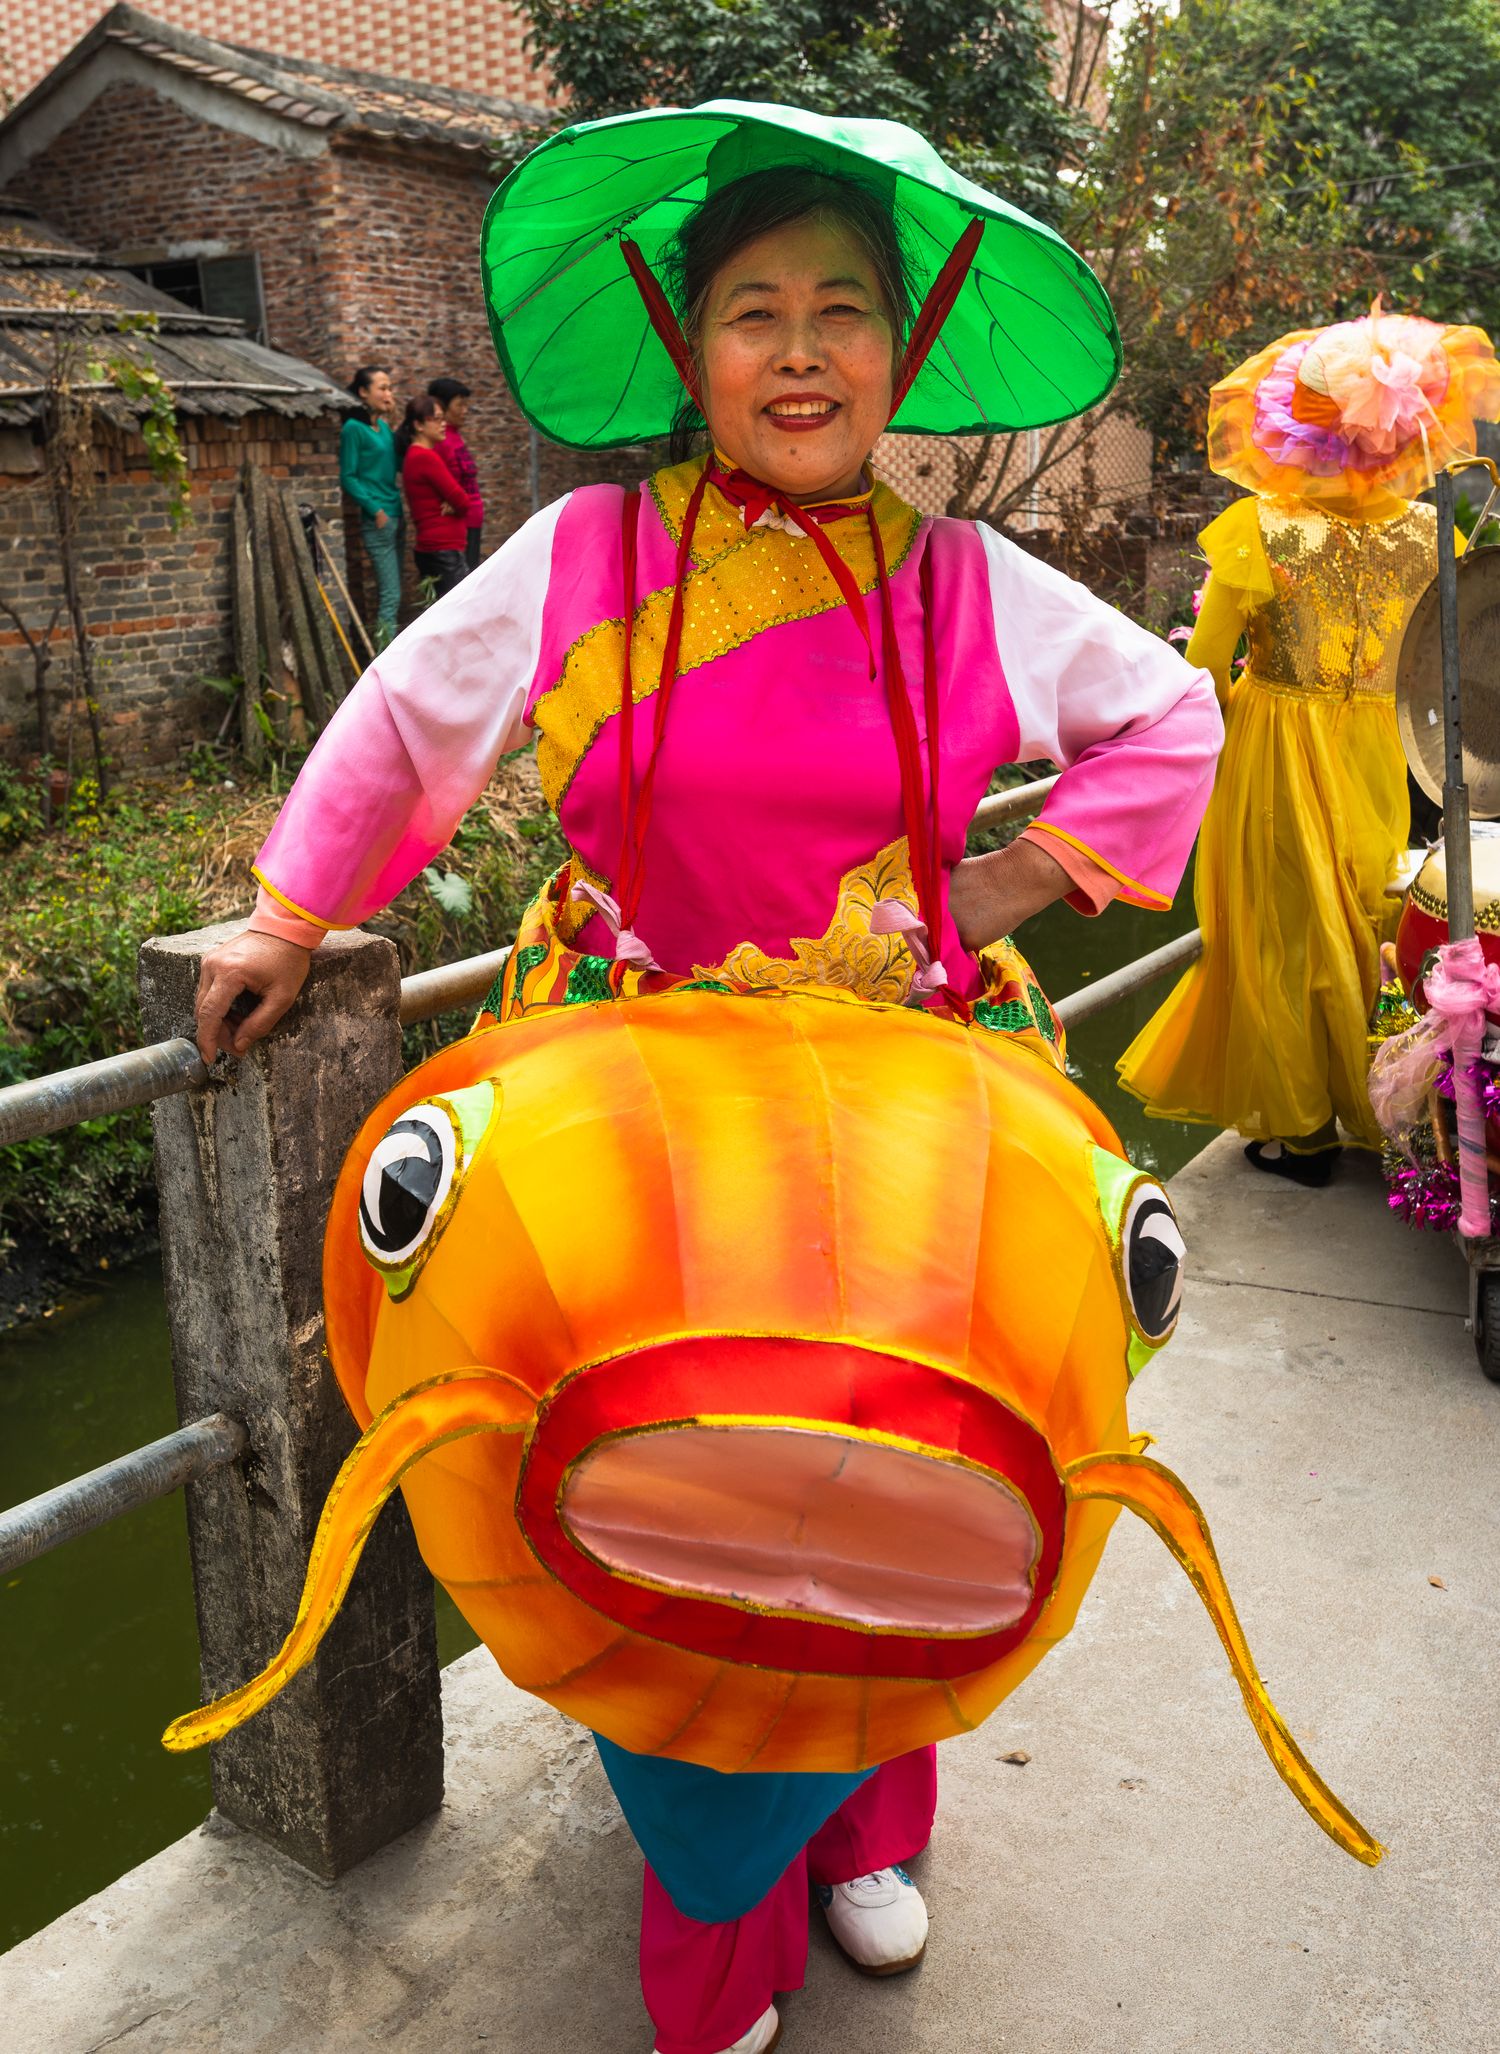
1153	900
740	583
846	955
329	926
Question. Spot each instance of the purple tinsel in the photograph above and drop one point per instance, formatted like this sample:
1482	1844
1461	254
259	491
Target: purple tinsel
1483	1075
1425	1197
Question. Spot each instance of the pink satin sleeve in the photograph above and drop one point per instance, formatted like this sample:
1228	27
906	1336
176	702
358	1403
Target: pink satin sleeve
1134	729
415	742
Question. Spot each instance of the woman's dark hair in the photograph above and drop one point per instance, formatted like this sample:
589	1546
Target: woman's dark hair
359	385
420	409
754	205
446	389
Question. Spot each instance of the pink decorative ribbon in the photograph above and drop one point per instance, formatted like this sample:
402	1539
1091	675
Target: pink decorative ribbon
894	916
1461	988
629	948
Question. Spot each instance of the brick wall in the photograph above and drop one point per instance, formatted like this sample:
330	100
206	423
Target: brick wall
369	254
134	173
473	44
157	599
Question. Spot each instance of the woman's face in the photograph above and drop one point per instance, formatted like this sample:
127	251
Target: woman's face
797	350
430	431
455	409
377	395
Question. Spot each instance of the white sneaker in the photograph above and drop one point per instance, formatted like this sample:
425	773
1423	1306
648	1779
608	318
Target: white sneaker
879	1921
762	2036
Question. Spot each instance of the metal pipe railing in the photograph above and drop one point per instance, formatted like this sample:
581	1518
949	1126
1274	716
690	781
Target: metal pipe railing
117	1487
118	1084
1015	804
1090	999
115	1084
431	992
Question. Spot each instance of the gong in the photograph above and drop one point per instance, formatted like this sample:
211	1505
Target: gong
1419	684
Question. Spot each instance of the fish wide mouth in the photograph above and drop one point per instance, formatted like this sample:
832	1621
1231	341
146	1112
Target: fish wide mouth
806	1523
821	1505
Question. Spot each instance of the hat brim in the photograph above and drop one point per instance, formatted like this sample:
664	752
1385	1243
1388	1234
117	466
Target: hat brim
1030	340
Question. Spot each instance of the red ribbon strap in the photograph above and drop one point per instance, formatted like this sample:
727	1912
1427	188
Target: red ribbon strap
936	308
659	313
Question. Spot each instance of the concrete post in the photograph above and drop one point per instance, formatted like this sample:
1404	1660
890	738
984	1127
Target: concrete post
351	1753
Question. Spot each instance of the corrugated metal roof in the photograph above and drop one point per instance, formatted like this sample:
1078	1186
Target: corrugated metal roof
50	289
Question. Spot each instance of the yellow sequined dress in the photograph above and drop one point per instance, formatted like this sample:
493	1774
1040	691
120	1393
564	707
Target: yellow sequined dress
1266	1032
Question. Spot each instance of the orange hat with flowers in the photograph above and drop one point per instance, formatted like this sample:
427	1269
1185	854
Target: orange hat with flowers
1358	410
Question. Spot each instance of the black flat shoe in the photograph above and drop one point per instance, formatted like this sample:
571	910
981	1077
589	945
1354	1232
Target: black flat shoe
1313	1171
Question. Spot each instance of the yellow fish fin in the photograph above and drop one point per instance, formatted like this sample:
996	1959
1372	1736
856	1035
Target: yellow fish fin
445	1408
1154	1494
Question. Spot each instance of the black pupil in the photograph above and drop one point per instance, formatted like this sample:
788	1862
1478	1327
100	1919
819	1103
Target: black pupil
408	1188
1154	1266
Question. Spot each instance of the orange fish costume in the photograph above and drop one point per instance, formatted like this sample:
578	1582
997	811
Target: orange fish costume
751	1337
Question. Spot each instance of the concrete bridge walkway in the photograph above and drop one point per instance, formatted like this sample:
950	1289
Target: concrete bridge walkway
1143	1883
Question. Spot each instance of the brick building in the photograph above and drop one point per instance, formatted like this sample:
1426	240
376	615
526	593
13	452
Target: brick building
337	211
478	44
155	597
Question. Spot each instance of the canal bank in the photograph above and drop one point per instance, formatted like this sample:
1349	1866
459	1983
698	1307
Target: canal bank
1141	1885
86	1792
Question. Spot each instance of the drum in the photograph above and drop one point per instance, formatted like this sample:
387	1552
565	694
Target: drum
1424	916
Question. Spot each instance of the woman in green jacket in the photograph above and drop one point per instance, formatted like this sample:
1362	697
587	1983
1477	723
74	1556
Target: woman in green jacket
367	472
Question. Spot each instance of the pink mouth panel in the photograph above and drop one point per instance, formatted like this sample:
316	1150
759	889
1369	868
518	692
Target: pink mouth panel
818	1524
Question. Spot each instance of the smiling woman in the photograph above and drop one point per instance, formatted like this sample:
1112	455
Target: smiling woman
767	696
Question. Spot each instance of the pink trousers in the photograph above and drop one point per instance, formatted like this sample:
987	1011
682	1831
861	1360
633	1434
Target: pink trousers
705	1985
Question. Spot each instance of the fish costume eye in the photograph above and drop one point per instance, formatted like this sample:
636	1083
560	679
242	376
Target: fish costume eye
1153	1254
412	1181
1150	1254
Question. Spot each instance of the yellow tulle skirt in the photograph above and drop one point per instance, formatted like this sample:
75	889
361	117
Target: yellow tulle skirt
1266	1032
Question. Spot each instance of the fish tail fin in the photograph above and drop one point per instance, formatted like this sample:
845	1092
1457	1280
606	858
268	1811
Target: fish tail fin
1154	1494
445	1408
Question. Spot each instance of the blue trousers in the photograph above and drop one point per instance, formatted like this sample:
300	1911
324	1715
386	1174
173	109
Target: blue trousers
383	547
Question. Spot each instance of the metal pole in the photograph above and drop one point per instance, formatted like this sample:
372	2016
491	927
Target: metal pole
85	1502
1082	1005
43	1105
1456	852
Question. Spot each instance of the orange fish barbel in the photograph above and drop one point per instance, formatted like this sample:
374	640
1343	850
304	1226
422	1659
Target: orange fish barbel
755	1372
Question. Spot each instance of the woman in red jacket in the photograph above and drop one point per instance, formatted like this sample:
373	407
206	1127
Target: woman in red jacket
439	505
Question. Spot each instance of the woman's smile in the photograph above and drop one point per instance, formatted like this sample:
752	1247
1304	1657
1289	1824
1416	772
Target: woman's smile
801	412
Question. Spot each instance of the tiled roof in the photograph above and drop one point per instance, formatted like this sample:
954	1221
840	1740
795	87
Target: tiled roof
313	94
50	288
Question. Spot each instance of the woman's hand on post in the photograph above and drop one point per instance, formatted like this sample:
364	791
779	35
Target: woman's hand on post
261	966
989	896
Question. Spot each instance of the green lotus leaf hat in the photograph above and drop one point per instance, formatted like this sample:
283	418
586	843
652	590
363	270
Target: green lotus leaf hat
1029	336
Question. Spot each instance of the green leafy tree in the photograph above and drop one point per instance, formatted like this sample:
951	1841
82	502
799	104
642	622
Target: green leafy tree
1394	115
975	76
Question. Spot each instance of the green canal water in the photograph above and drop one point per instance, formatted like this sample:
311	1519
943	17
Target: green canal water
97	1642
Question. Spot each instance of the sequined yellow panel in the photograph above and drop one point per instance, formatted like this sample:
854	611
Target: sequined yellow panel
1344	591
740	583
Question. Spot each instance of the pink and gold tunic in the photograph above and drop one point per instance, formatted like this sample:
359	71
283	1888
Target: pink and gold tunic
777	822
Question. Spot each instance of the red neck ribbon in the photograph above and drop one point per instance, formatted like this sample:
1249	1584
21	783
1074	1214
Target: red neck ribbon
919	793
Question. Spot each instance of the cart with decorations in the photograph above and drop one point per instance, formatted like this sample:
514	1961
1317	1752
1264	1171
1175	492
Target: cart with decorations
1435	1077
